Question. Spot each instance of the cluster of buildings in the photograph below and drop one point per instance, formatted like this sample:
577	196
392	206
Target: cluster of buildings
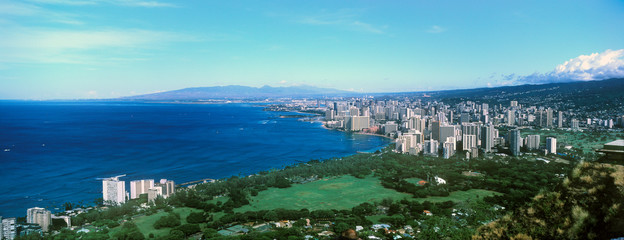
434	128
114	190
38	220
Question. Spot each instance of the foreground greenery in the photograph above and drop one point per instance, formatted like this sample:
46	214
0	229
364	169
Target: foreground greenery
366	189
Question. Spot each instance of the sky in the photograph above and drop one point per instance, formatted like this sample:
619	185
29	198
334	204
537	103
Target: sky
66	49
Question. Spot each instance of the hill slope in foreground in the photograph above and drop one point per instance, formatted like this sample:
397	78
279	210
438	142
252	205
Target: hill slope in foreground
589	204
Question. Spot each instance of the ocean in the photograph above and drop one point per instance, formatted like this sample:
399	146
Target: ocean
53	152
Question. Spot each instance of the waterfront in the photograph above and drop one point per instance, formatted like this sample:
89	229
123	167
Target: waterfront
58	149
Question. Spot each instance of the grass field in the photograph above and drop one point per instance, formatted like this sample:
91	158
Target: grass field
146	223
337	193
460	196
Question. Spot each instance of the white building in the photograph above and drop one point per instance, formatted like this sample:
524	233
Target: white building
9	228
533	141
469	141
551	145
138	187
357	123
114	191
448	150
39	216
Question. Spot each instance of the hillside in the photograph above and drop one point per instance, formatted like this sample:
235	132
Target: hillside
589	204
240	92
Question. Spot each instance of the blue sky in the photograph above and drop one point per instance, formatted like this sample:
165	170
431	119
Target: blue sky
61	49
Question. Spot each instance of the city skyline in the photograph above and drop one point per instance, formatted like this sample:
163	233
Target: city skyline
59	49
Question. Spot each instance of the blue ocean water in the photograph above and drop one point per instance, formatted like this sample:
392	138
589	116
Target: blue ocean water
56	150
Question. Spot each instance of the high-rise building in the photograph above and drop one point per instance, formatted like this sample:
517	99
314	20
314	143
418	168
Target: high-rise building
329	115
560	120
575	124
9	228
418	124
513	104
487	138
533	142
114	191
551	145
138	187
153	193
515	141
39	216
445	132
549	117
435	130
431	147
389	127
468	142
357	123
471	129
448	150
511	118
168	187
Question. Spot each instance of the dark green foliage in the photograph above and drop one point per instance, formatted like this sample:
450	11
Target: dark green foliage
171	220
197	217
188	229
129	231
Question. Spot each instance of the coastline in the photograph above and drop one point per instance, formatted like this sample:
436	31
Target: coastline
360	133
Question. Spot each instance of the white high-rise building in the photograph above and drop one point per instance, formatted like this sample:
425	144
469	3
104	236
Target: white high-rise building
9	228
138	187
448	150
114	191
533	142
469	141
357	123
551	145
39	216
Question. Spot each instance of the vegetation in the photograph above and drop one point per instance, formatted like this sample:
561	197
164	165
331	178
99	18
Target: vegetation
589	204
364	189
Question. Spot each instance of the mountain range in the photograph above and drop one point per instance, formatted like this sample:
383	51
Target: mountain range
610	89
241	92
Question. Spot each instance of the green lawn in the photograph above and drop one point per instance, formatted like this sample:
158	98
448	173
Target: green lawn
343	192
146	223
460	196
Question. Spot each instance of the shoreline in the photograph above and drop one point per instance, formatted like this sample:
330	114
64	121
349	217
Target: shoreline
360	133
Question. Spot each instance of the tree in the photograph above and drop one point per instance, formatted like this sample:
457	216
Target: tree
270	216
197	217
170	220
188	229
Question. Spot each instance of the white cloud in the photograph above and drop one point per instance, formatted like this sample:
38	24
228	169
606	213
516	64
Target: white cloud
131	3
436	29
38	45
596	66
345	18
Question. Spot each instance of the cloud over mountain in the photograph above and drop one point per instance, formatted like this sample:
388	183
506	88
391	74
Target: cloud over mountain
596	66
